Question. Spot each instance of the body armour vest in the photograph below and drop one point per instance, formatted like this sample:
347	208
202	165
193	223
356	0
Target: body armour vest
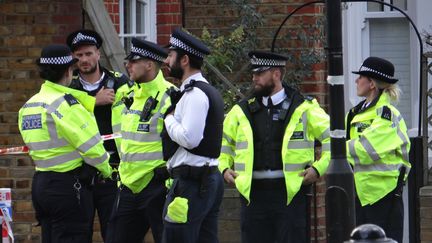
102	113
210	145
268	135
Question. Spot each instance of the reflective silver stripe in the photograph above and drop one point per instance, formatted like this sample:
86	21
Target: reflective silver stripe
35	104
325	134
353	153
96	161
157	115
267	174
239	167
51	144
58	160
135	112
304	121
89	143
377	167
228	138
405	152
325	147
294	144
137	157
228	150
369	149
51	108
241	145
116	128
141	137
295	167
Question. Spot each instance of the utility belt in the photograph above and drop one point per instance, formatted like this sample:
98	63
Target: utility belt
192	172
195	173
268	184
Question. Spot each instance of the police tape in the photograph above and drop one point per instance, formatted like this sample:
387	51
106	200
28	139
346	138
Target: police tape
25	149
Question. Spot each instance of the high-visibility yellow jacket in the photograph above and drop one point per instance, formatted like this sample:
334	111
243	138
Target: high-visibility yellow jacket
377	148
141	145
238	148
58	126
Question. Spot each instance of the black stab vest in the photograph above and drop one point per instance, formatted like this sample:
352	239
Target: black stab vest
268	137
103	113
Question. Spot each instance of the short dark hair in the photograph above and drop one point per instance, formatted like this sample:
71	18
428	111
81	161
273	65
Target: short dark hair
53	74
194	61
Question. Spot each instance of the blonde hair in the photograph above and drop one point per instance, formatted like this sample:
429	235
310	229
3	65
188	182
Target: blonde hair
392	90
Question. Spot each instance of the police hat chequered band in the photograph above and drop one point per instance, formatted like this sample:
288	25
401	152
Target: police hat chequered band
363	68
81	37
267	62
180	44
146	53
56	60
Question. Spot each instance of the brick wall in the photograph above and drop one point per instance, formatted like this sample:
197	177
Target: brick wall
25	27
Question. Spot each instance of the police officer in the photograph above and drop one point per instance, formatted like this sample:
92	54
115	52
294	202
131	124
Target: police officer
108	88
142	168
192	204
58	126
268	153
378	147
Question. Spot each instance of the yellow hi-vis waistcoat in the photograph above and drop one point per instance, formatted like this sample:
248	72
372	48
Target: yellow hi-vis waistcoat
58	126
238	148
141	145
118	107
378	147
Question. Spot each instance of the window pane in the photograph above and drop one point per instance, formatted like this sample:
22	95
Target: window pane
127	23
127	44
375	7
402	4
140	15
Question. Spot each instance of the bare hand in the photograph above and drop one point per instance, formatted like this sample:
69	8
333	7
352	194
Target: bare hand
105	96
229	176
310	176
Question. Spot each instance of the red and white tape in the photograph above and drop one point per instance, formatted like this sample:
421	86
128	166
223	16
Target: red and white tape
25	149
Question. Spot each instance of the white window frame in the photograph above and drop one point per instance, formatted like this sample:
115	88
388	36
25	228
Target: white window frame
149	25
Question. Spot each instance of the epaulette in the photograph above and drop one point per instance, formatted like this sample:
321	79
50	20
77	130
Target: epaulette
253	105
70	99
386	113
188	87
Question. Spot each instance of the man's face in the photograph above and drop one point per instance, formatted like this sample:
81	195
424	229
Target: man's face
138	69
173	64
88	58
264	82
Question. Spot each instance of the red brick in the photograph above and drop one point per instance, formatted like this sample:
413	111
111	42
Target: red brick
7	183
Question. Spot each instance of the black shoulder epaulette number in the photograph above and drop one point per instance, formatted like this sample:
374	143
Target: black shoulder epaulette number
70	99
386	113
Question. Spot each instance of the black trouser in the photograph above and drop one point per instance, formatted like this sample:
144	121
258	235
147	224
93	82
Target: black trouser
104	194
388	213
61	208
204	196
134	212
268	219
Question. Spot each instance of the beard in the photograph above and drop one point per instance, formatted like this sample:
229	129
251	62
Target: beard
266	90
176	71
89	71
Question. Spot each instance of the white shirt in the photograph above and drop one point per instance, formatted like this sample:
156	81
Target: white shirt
276	98
91	86
186	126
